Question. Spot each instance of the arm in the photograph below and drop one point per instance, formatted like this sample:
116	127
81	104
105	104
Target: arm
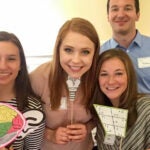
39	79
34	140
33	132
91	125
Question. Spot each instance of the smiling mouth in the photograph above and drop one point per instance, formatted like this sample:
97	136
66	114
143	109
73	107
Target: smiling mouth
75	68
4	73
112	88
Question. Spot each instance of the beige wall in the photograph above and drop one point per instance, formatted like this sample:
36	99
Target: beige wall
36	22
95	11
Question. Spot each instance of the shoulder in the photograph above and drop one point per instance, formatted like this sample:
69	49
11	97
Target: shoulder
143	37
39	78
143	105
144	100
105	46
42	70
34	103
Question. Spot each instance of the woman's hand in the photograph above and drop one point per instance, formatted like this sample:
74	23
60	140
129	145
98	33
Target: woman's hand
77	132
10	148
58	136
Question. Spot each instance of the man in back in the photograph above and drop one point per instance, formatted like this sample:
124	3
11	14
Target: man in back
122	15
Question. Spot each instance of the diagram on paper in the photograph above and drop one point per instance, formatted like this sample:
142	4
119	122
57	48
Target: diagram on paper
114	120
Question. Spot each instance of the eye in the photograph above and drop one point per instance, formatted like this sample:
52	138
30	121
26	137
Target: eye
119	73
11	58
85	52
114	9
103	74
128	8
68	50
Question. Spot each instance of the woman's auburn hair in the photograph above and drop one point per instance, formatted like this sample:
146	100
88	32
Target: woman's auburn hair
57	79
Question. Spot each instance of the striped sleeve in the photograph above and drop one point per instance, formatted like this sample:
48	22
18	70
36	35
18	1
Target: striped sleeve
137	137
33	140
